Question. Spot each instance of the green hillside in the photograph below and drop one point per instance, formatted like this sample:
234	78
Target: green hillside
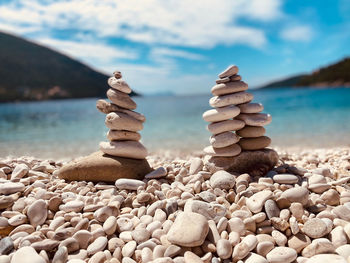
335	75
29	71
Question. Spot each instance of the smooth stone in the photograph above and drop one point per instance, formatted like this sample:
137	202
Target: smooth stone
196	165
223	139
37	213
318	246
264	247
11	188
116	135
224	126
19	172
285	179
229	88
190	257
119	85
121	99
117	74
110	225
256	202
343	251
247	244
342	212
252	144
298	242
107	107
83	238
251	107
255	258
222	180
224	248
255	119
189	230
231	99
236	78
223	80
122	121
251	132
129	248
6	245
61	255
46	244
157	173
298	195
141	235
126	149
227	151
210	211
100	167
172	251
72	206
27	255
255	163
281	255
98	245
221	114
315	228
229	71
319	188
271	209
129	184
327	258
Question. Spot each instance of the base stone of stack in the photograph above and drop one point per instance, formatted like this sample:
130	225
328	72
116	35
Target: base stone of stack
100	167
255	163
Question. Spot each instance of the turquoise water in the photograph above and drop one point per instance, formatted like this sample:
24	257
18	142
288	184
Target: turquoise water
68	128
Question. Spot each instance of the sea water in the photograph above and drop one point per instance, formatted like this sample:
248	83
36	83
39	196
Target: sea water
301	117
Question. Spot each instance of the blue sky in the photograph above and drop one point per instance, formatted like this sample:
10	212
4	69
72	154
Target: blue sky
181	45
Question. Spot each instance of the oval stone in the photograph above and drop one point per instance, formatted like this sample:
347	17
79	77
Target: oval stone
222	180
255	119
224	126
285	178
121	99
254	143
128	149
229	88
228	151
107	107
229	71
251	107
221	114
121	121
251	132
231	99
223	139
119	85
115	135
281	255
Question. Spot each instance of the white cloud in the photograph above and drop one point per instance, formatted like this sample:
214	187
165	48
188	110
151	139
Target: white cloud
159	52
300	33
202	24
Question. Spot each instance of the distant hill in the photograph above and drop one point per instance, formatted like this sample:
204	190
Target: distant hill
335	75
29	71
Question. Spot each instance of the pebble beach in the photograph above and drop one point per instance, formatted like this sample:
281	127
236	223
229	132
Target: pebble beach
298	212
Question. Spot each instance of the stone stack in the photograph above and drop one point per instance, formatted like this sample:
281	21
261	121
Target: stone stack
236	124
124	124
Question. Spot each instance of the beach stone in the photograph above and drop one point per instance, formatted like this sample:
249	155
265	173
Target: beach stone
271	209
129	184
338	236
83	238
315	228
255	163
331	197
11	188
27	255
37	213
100	167
342	212
116	135
221	114
6	245
255	119
71	244
117	74
227	151
110	225
224	126
189	230
256	202
281	255
121	99
107	107
223	139
230	99
122	121
327	258
129	249
236	78
19	172
223	80
119	85
72	206
126	149
318	246
298	242
196	165
241	250
228	88
298	195
251	107
252	144
172	251
254	258
264	247
157	173
222	180
98	245
251	132
141	235
224	248
319	188
285	179
17	220
61	255
229	71
344	251
190	257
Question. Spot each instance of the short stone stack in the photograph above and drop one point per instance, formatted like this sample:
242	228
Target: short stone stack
123	122
236	125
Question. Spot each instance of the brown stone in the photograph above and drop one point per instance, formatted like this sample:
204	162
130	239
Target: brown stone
251	132
228	88
121	99
255	163
115	135
254	143
99	167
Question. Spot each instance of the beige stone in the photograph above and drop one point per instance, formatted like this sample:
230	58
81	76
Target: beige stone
119	85
252	144
327	258
107	107
121	99
227	151
224	126
126	149
27	255
221	114
222	180
298	242
281	255
115	135
223	139
229	71
231	99
121	121
251	107
251	132
228	88
255	119
298	194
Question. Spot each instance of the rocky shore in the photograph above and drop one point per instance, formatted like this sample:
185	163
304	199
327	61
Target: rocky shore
180	212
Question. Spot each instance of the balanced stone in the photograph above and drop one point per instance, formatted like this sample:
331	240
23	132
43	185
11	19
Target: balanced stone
116	135
229	71
223	80
121	121
235	78
117	74
223	139
221	114
255	119
100	167
251	132
228	151
121	99
251	107
119	84
257	143
107	107
228	88
224	126
231	99
128	149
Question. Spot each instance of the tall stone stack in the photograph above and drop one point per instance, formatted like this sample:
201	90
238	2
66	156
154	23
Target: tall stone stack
124	124
236	125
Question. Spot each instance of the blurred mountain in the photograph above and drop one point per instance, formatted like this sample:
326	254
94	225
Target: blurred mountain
29	71
335	75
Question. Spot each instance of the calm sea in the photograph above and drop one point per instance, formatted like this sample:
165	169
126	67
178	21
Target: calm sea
62	129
